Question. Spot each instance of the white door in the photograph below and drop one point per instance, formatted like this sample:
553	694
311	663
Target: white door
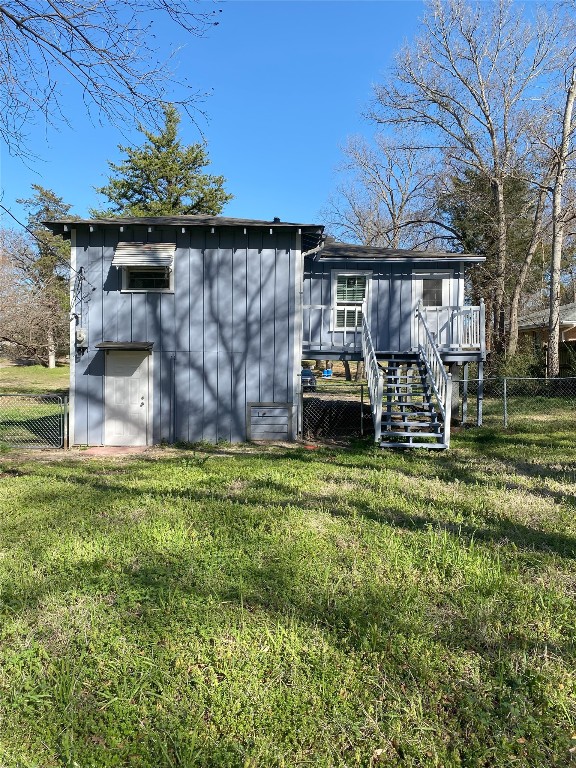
126	398
432	290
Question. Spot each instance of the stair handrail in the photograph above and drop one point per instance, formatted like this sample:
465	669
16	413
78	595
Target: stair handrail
375	378
440	380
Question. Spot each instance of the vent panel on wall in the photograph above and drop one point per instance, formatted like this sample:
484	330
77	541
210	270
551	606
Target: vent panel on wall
269	421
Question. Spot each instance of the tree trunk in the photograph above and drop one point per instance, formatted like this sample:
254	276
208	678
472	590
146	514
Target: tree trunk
498	190
558	230
512	345
359	370
348	375
51	350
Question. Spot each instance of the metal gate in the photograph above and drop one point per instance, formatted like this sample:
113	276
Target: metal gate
33	421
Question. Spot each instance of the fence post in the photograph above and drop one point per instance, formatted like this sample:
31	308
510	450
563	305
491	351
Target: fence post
505	395
300	422
361	410
65	435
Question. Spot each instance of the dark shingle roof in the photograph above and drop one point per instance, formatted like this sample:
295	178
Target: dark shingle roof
183	221
335	250
540	317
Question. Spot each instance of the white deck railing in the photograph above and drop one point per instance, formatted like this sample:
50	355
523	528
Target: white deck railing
375	378
453	329
456	328
319	331
440	380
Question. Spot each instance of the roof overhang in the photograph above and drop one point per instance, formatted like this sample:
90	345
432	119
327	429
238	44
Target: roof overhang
420	259
63	226
126	346
334	251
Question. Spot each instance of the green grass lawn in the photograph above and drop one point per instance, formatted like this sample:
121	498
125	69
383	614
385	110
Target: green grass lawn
33	378
291	607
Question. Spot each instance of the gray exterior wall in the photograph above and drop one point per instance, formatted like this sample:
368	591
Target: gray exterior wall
224	338
391	299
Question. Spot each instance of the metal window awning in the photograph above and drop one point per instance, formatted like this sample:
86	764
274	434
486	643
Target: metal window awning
144	255
127	346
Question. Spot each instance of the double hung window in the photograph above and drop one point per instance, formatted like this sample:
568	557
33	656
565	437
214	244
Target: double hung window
350	291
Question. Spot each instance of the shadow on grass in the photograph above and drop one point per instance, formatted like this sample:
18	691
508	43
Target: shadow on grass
233	569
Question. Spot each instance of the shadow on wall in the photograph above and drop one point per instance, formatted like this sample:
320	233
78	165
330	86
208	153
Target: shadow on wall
238	331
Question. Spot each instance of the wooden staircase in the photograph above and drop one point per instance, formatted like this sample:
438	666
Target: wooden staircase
410	393
409	418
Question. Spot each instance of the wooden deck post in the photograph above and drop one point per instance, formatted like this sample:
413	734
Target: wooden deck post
480	395
465	393
454	369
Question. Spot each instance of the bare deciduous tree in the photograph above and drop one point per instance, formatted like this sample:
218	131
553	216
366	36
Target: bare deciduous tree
33	323
106	47
466	82
561	156
386	201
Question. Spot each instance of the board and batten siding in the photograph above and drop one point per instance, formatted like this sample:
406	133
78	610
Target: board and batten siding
390	304
224	338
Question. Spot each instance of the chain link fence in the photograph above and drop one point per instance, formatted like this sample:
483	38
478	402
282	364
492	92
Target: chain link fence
337	410
33	421
340	410
515	402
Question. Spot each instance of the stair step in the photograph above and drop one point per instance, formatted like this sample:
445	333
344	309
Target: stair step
406	393
420	435
405	404
411	424
404	446
413	383
387	412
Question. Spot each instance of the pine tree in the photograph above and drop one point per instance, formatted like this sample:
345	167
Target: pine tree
163	177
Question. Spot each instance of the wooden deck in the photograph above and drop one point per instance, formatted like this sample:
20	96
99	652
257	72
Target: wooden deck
459	334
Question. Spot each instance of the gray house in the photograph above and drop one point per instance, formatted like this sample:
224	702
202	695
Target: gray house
193	328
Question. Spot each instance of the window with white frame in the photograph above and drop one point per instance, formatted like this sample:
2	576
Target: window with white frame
432	288
145	266
350	291
432	292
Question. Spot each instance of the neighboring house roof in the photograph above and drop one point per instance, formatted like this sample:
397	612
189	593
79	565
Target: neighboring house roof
335	250
540	317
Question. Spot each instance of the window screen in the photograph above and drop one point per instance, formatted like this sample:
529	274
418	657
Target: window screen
148	279
432	292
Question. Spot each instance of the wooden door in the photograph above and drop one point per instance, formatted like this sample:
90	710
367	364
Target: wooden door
126	398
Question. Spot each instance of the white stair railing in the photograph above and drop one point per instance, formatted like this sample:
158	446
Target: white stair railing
440	380
375	378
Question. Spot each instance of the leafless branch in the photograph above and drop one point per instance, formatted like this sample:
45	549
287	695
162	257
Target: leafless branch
106	48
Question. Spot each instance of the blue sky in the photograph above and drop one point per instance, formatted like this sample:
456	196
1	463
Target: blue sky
288	83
